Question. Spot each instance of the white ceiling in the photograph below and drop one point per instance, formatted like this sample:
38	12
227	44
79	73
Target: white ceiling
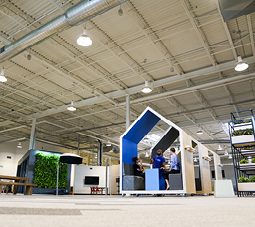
146	42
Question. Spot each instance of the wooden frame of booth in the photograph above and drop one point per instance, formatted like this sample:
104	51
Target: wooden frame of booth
135	133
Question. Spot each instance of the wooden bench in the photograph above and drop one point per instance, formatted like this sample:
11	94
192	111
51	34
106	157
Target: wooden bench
28	187
16	183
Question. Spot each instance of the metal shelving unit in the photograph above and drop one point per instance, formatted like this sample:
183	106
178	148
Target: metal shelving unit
242	138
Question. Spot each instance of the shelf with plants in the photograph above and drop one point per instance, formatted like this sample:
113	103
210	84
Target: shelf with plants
241	132
247	151
246	184
241	128
246	166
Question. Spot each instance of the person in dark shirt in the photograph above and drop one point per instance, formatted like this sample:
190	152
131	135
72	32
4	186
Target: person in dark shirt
158	161
175	167
138	167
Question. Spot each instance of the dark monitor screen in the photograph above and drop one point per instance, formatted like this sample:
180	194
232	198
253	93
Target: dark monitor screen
223	173
92	180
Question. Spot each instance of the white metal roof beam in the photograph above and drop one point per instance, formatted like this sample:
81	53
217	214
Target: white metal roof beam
227	31
228	91
19	12
251	34
204	102
158	83
179	106
120	53
199	31
92	66
26	95
200	97
144	27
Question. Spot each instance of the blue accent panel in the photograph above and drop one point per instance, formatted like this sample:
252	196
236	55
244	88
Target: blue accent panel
142	127
129	150
152	179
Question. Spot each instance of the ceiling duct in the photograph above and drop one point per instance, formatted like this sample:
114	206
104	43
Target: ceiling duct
114	149
75	15
236	8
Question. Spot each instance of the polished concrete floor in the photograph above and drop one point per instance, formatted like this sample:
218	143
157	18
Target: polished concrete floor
101	210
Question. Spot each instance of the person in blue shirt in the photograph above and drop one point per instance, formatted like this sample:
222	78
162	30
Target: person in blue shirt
175	167
158	161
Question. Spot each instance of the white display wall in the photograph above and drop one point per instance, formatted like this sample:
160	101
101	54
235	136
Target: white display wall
82	171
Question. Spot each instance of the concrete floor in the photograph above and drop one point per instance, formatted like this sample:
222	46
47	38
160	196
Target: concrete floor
100	210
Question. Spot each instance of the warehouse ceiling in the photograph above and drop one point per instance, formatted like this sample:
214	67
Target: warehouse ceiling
183	48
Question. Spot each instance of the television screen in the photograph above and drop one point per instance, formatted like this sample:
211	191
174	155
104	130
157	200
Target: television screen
92	180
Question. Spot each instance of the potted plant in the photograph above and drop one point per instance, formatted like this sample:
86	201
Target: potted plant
243	179
242	136
252	179
246	184
243	161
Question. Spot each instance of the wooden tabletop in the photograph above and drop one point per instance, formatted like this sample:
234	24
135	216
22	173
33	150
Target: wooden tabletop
13	178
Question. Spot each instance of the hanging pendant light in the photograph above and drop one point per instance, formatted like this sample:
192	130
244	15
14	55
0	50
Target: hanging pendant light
2	77
108	144
241	65
84	39
146	88
71	107
19	145
146	139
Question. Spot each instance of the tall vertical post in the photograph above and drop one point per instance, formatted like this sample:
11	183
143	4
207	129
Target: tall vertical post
106	177
32	135
57	177
100	153
78	149
127	111
110	175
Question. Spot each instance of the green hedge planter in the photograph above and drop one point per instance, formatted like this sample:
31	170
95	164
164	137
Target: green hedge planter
46	171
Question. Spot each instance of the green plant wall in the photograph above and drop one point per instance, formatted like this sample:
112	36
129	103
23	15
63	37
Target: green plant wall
45	174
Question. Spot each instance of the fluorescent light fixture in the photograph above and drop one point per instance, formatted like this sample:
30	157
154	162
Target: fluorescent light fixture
108	144
71	107
219	148
19	145
153	137
120	12
146	88
241	65
2	77
145	139
199	132
84	39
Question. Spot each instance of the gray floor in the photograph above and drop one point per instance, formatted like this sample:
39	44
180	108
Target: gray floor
100	210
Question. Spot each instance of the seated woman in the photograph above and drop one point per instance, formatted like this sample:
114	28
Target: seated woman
175	167
138	167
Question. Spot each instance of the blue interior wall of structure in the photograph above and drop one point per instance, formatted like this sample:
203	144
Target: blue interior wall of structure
129	151
135	134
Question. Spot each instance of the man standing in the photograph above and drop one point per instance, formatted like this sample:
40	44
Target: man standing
159	162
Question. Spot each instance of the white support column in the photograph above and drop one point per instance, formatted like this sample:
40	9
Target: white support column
106	177
32	135
127	111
